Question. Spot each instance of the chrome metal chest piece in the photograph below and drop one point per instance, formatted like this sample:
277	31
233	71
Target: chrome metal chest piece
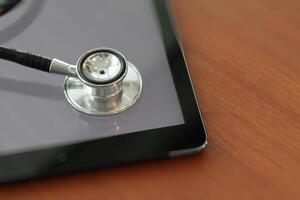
102	82
105	83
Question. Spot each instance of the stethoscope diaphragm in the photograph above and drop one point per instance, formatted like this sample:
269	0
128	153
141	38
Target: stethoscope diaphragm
107	83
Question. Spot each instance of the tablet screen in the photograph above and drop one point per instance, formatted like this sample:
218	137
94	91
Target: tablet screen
34	113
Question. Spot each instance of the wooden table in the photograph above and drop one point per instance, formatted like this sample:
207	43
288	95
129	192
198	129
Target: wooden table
244	58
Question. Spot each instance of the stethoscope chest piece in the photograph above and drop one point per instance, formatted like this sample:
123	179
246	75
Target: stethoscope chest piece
102	82
105	83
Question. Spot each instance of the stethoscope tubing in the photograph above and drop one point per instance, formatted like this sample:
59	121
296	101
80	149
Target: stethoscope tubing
26	59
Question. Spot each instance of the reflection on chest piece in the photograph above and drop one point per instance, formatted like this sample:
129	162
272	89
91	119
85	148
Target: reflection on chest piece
105	83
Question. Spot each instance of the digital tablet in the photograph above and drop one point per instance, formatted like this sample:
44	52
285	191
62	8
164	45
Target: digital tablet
43	135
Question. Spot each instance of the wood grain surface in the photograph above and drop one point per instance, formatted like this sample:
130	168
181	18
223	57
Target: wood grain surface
244	58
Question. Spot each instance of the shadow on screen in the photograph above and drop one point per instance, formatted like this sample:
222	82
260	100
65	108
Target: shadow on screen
30	88
23	22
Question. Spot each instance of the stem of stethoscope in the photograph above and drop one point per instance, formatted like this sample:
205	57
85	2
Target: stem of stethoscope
102	82
60	67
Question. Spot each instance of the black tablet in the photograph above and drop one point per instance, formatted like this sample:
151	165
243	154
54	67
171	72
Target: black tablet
43	135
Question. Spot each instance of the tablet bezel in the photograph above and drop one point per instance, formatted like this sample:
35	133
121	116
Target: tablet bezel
144	145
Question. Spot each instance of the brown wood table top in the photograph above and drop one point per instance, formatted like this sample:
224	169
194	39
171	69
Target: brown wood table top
244	58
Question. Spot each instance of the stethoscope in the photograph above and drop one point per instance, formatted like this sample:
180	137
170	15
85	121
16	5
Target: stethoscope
102	82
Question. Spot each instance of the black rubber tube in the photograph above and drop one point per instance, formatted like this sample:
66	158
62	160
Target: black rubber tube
24	58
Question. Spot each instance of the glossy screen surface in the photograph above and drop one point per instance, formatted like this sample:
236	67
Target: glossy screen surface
34	113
